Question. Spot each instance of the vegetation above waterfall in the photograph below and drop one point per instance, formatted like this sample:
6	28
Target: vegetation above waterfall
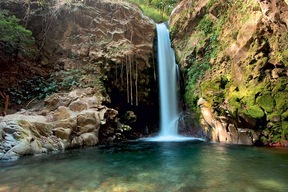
234	55
158	10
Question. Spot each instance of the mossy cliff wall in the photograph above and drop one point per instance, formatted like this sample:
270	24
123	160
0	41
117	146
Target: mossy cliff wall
234	57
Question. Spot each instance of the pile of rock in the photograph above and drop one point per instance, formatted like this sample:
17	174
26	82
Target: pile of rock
68	120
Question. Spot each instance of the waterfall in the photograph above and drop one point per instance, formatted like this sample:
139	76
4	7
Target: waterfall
167	71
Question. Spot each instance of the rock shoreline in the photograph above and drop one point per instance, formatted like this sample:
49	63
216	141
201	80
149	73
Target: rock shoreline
72	120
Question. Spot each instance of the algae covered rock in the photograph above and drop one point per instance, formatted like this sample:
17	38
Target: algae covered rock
266	102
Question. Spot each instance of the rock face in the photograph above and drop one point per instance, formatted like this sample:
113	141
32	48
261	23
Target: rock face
103	42
235	67
76	121
74	33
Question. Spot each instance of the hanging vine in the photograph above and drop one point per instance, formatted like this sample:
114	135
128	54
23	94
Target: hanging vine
121	74
136	83
127	79
27	16
131	83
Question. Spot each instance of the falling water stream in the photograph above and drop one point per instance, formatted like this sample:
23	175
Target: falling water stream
167	83
168	72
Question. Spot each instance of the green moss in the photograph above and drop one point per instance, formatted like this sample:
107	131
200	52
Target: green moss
280	84
262	87
284	58
281	101
274	117
273	134
248	99
254	112
213	90
211	3
205	25
284	116
266	102
285	130
234	105
209	88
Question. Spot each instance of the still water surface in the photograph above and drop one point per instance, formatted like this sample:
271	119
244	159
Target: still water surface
152	166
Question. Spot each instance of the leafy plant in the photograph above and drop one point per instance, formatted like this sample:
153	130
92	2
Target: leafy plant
15	39
29	89
205	25
40	88
66	79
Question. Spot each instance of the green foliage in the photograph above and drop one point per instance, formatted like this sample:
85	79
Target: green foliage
199	66
158	10
284	115
254	111
15	39
211	3
40	88
154	14
280	48
212	90
66	79
281	99
29	89
205	25
275	133
266	102
234	105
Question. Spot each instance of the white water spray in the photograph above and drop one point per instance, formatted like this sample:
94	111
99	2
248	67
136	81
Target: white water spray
167	70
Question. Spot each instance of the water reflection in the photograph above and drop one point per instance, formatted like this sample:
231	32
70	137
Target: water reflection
151	166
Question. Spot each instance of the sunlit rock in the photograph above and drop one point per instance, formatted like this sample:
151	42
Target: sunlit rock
54	101
78	105
207	114
26	133
62	133
87	118
61	113
70	123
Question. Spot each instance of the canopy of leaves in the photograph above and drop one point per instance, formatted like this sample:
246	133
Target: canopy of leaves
158	10
14	38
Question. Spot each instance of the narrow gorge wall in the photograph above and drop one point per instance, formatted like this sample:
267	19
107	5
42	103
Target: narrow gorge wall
234	59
